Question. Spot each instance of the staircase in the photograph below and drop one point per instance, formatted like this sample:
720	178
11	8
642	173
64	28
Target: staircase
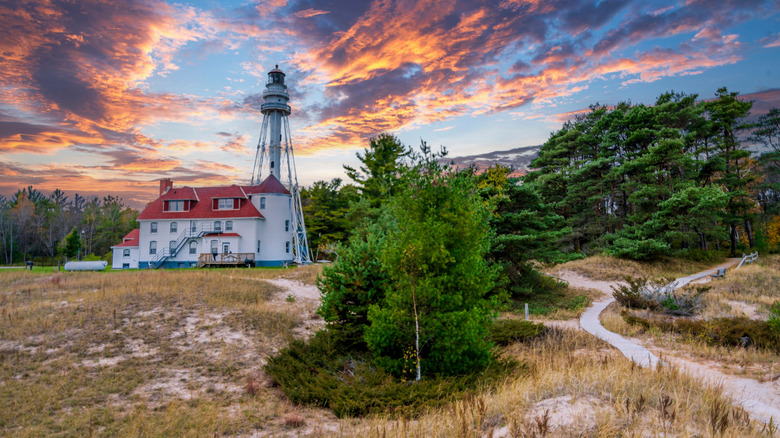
187	235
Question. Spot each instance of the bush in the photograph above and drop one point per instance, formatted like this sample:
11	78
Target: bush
643	294
509	331
726	332
321	373
774	317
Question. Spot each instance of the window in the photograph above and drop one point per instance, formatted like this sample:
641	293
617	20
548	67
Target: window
272	164
228	225
286	225
125	253
287	247
153	227
217	225
225	248
171	246
262	203
174	227
125	265
153	247
258	247
214	244
193	247
175	205
225	204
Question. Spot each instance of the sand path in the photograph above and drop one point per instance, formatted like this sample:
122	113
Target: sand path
761	400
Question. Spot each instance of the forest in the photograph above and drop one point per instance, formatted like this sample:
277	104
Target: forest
46	229
684	176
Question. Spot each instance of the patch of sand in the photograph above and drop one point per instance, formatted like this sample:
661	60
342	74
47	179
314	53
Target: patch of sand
565	415
749	310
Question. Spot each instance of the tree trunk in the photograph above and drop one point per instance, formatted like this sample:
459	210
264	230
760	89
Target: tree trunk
416	330
749	231
733	237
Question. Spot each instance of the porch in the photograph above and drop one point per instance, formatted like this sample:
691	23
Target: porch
207	260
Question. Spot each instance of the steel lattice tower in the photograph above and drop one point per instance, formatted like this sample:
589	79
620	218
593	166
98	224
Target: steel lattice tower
275	157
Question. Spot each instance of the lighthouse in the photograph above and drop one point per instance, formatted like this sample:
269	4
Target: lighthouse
275	158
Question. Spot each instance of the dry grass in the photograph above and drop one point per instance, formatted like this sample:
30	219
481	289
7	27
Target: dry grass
575	387
602	267
179	353
747	291
141	353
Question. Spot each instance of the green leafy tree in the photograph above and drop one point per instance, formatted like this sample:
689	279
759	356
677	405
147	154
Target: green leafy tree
72	244
382	163
326	207
727	114
767	132
525	230
434	255
355	282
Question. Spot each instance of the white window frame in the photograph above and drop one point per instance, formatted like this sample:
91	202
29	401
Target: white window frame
214	246
175	206
193	247
287	247
153	227
228	225
171	246
152	247
125	253
174	227
258	246
223	204
218	226
287	225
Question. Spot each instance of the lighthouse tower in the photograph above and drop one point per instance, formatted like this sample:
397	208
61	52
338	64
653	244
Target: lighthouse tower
274	157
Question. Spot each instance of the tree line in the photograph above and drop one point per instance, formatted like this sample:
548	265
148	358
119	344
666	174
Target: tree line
644	181
48	228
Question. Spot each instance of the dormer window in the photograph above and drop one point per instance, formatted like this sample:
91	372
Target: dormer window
227	204
176	206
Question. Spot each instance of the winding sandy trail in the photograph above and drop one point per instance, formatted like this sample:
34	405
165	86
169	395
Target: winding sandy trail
761	400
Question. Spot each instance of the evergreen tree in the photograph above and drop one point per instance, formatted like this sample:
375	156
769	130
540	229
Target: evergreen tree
438	235
381	166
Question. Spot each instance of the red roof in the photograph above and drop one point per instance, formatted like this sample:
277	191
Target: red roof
203	198
270	185
131	239
222	235
180	193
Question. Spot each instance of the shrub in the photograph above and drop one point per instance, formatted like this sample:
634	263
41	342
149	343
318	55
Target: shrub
727	332
321	373
774	317
659	296
508	331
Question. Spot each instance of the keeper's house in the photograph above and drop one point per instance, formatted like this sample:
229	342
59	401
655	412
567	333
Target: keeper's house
190	227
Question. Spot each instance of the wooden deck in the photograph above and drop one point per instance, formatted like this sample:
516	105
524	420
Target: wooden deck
229	259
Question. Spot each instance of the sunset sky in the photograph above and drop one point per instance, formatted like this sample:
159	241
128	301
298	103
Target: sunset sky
100	97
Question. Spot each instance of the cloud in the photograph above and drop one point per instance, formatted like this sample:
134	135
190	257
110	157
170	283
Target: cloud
400	65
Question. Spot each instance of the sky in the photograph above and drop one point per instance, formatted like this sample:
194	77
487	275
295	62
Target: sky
105	97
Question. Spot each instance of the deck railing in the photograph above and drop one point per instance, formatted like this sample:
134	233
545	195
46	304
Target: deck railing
226	259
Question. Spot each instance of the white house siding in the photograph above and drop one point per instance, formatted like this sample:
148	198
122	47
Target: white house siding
119	260
271	232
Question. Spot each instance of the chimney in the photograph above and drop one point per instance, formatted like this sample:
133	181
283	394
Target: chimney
165	185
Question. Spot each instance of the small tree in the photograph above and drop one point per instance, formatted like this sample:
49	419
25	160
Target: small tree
71	244
356	281
438	235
